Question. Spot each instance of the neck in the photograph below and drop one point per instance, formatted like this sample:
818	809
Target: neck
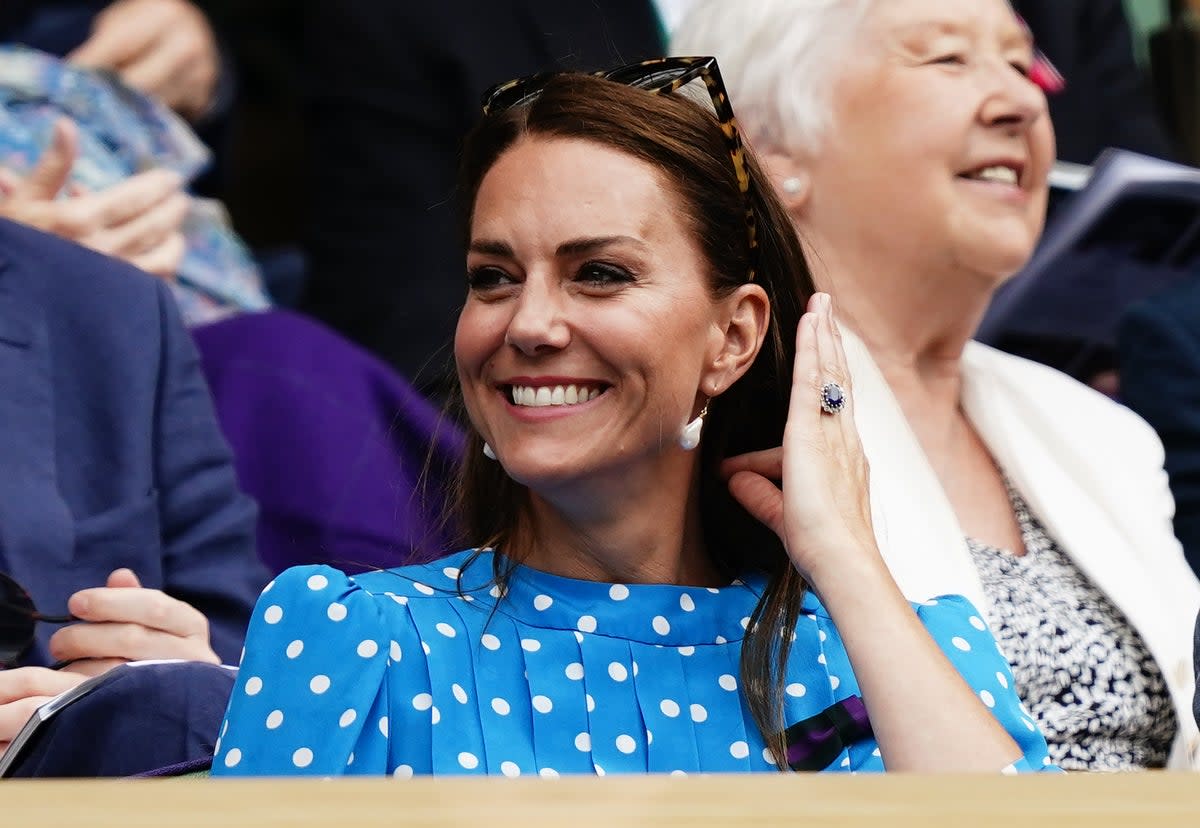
620	530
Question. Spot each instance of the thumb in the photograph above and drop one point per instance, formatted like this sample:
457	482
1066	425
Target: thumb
53	169
123	578
760	497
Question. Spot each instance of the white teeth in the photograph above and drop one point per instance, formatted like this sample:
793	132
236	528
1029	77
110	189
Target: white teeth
1003	175
539	397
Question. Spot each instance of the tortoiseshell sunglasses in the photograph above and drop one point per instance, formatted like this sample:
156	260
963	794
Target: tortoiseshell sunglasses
661	76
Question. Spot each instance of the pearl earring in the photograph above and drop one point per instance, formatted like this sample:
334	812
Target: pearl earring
689	438
792	185
489	452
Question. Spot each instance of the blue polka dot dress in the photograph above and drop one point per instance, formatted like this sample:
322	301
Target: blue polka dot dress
432	670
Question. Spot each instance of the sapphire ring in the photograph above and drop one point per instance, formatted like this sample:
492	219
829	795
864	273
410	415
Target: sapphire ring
833	398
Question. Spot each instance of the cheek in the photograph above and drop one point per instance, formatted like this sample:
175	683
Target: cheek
480	333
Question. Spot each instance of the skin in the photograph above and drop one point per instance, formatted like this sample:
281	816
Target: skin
138	220
912	248
613	493
121	621
164	48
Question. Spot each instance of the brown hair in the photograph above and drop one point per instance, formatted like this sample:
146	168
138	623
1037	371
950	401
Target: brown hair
684	142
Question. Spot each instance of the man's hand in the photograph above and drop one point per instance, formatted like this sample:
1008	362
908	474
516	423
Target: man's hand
164	48
138	220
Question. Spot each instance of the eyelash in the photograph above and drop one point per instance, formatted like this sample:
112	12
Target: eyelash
486	277
596	274
957	59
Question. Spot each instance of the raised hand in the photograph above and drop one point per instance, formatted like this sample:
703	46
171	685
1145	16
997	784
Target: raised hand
164	48
822	513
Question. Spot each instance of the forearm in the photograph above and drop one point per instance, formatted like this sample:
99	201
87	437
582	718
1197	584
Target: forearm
924	715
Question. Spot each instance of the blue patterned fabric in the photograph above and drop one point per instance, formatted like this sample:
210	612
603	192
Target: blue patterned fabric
122	132
421	670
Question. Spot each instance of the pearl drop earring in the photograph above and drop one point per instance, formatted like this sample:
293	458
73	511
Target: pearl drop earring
489	452
689	438
792	185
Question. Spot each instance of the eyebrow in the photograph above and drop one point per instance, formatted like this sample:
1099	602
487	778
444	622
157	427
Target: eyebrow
949	27
572	247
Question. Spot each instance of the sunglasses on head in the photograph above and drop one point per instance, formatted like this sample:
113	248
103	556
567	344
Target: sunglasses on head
18	621
661	76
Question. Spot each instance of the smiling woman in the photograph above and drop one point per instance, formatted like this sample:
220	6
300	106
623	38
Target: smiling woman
632	351
913	160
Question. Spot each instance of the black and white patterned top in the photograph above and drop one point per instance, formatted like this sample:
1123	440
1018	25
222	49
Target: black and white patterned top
1081	669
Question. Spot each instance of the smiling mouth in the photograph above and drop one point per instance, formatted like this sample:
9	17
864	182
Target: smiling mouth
528	396
997	173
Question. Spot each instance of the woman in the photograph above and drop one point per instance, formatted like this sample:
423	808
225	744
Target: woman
623	613
912	151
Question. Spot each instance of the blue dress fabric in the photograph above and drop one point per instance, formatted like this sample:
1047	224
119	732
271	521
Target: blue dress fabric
432	669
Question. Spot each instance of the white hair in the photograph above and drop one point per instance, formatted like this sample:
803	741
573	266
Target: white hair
779	59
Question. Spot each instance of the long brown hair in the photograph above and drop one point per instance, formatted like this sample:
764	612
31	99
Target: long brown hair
684	142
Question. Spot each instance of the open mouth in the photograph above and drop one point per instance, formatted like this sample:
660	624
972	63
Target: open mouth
1009	174
541	396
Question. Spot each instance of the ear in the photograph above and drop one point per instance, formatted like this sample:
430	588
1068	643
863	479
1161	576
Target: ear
790	178
737	338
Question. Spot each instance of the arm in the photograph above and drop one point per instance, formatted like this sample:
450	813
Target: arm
932	720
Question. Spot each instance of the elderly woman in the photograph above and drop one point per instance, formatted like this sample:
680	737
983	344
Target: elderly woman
620	611
912	149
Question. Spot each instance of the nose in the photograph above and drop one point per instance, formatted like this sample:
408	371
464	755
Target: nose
1013	100
539	320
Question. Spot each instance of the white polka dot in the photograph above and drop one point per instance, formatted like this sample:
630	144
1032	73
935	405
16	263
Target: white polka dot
317	582
1001	680
961	643
1009	770
451	572
490	641
336	611
727	682
253	686
402	600
687	650
542	704
319	684
274	719
988	699
876	753
932	602
583	742
460	695
273	614
574	671
845	761
768	757
678	773
302	758
394	652
591	703
713	590
1030	725
739	750
424	589
495	591
224	728
542	603
501	706
530	645
382	724
548	773
834	682
745	622
403	772
510	769
579	636
435	715
686	603
618	592
599	770
649	738
348	718
232	758
661	625
977	623
425	647
617	671
367	648
626	744
699	714
468	760
587	623
720	639
796	690
635	668
669	708
821	659
446	630
821	636
422	701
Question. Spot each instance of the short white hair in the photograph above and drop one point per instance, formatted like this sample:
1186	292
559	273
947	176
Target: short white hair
779	60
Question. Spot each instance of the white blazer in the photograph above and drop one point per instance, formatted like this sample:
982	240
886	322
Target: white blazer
1090	469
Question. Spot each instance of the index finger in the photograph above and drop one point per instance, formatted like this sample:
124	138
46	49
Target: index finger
768	463
24	682
149	608
113	44
134	196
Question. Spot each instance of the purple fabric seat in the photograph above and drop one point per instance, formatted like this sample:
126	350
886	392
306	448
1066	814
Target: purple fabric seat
331	442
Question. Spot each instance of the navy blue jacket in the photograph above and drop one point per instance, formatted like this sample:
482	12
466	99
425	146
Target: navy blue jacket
110	454
1159	350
